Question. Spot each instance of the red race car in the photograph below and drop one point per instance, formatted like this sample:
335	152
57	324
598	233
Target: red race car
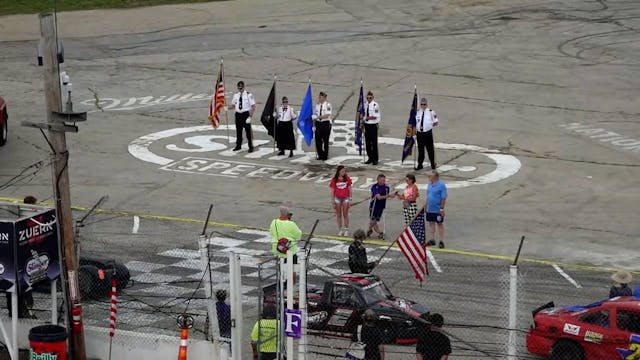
4	127
605	330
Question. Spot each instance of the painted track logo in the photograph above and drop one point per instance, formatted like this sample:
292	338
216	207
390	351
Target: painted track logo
468	165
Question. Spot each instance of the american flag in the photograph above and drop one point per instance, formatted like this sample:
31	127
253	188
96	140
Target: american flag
218	100
412	243
114	310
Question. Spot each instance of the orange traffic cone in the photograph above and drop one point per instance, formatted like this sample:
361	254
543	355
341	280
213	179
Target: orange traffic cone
184	336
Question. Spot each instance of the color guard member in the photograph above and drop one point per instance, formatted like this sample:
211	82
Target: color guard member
244	106
322	117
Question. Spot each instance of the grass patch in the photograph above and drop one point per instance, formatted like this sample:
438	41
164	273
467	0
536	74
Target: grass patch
9	7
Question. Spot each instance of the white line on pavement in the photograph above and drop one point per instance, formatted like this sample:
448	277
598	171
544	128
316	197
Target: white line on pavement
136	224
566	276
433	261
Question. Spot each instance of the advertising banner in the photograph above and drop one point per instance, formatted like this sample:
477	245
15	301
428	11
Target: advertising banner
7	256
37	257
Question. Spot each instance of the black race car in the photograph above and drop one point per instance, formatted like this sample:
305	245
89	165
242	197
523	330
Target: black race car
336	309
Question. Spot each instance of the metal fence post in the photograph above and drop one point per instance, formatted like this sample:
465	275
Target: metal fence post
236	306
513	311
203	248
290	286
302	302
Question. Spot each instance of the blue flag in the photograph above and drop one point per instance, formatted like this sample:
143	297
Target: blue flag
305	123
407	149
360	120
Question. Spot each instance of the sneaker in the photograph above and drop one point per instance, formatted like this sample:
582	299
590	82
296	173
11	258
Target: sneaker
431	242
340	231
441	244
345	232
369	232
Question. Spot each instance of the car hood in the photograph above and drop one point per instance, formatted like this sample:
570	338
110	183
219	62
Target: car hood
401	305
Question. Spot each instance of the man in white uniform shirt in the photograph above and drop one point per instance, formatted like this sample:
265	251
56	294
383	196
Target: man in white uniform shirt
284	130
426	120
322	117
244	106
371	122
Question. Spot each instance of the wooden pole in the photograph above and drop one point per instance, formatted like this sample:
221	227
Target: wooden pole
61	184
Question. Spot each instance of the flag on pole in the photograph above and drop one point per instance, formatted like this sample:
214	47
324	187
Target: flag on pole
305	122
360	120
218	101
407	149
269	115
412	243
114	311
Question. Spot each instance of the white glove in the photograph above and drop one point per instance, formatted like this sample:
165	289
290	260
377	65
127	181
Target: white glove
248	121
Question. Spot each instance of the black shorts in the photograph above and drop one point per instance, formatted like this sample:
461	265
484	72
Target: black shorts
375	214
435	217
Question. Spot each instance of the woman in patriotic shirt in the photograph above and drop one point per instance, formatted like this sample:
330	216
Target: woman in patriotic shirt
341	198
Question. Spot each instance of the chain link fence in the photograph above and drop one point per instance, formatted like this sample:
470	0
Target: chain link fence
159	273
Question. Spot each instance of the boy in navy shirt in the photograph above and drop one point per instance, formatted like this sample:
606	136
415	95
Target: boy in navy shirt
379	194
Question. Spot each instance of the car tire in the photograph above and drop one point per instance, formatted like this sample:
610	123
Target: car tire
4	131
566	350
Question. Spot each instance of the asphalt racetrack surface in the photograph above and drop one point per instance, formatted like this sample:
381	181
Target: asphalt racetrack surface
538	135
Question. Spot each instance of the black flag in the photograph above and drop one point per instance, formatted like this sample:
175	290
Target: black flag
268	117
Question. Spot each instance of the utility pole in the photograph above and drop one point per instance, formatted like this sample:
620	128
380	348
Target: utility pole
58	123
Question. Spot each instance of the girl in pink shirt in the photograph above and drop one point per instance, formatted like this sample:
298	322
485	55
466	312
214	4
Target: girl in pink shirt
341	198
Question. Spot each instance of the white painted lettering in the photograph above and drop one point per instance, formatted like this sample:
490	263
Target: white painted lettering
571	125
589	131
286	174
635	149
626	142
218	165
607	134
238	169
367	183
261	172
612	139
202	143
320	178
192	165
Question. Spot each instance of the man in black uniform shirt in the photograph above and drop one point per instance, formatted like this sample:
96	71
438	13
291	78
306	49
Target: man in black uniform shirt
433	344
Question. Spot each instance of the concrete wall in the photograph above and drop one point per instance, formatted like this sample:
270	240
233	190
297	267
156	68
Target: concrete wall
127	345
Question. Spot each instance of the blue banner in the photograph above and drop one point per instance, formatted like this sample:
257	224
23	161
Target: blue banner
360	120
407	149
305	123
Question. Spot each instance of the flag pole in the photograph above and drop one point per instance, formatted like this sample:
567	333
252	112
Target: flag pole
415	140
226	109
361	126
275	121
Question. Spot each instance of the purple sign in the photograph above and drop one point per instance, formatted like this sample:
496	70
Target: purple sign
293	323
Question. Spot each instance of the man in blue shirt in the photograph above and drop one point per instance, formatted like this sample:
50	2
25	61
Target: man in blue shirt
224	314
436	199
379	194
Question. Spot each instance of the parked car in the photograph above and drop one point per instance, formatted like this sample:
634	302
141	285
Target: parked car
337	307
4	118
604	330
